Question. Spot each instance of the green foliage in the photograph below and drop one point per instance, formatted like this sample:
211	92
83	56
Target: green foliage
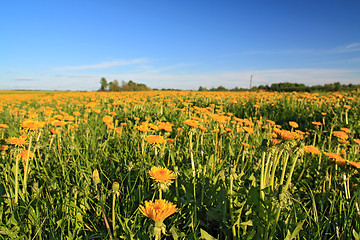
223	190
114	86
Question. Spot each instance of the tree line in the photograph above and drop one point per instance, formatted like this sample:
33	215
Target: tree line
299	87
292	87
115	86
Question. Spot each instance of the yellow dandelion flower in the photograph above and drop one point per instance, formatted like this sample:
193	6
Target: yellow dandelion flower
4	126
354	164
340	134
155	139
58	123
270	122
24	154
160	174
345	130
192	123
20	141
153	126
245	145
54	131
76	113
110	125
4	147
293	124
69	118
32	125
343	141
143	128
312	150
107	119
158	210
248	130
338	159
286	135
317	123
118	130
274	141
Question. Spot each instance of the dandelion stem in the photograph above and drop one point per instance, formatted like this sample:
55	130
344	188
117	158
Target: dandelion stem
27	166
17	179
288	181
194	178
103	213
113	214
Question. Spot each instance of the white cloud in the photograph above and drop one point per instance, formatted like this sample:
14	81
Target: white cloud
24	78
106	64
354	47
157	79
241	79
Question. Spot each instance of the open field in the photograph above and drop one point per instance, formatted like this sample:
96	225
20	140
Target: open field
237	165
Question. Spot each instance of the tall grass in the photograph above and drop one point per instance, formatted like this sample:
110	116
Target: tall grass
233	181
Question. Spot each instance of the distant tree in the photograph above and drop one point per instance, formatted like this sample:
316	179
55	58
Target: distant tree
221	88
104	84
114	86
202	89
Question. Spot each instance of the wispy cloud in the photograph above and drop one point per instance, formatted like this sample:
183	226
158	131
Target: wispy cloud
353	47
231	79
103	65
171	67
24	79
228	79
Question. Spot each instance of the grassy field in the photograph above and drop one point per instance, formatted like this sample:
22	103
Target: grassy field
179	165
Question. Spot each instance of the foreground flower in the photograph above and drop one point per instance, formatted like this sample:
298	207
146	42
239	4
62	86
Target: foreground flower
338	159
293	124
158	210
340	134
20	141
311	149
160	174
107	119
192	123
24	155
286	135
57	123
155	139
317	123
32	125
4	147
4	126
354	164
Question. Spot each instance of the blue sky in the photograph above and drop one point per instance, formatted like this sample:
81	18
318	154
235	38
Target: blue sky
71	45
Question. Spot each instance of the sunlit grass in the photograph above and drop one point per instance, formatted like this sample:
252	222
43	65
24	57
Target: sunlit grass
240	165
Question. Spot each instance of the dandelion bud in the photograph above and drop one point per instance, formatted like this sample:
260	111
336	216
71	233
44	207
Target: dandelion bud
96	177
115	188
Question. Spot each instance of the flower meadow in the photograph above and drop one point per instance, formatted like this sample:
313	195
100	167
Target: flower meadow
179	165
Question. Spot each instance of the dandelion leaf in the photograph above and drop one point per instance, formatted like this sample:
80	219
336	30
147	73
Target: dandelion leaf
205	235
